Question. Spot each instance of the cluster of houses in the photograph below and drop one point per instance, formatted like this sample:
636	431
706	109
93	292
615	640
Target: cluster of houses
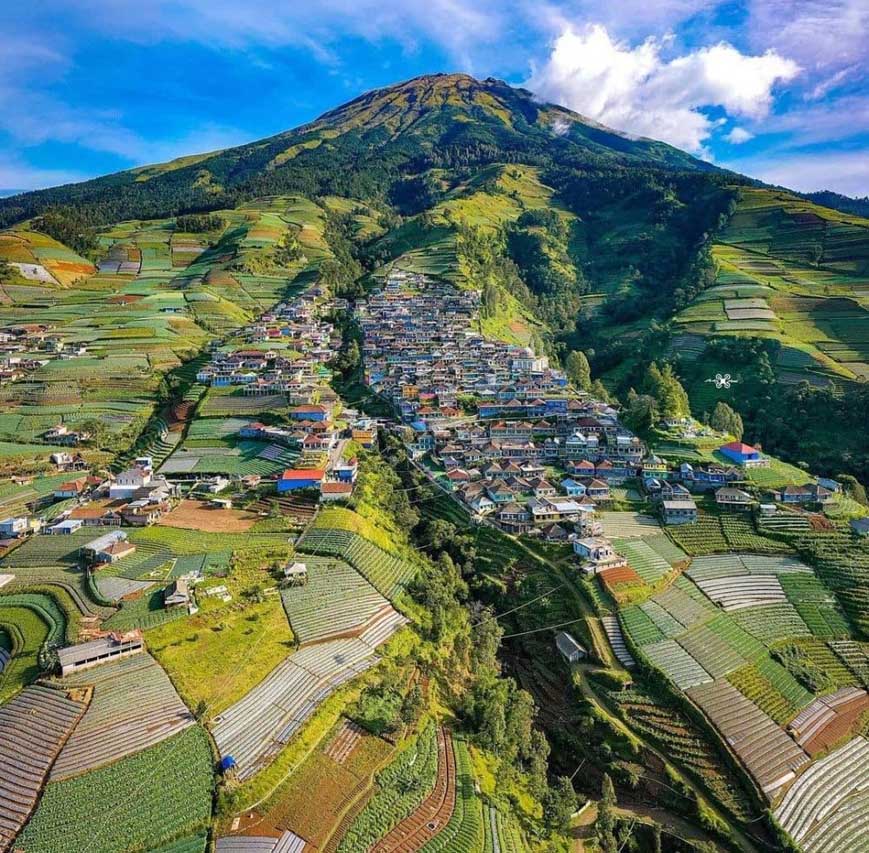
422	353
295	366
136	497
26	347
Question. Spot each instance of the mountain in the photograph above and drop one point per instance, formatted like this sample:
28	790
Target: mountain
578	238
361	149
845	203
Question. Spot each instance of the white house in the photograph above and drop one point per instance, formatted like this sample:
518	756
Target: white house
570	650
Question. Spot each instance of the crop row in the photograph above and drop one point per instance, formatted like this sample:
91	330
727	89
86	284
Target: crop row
173	786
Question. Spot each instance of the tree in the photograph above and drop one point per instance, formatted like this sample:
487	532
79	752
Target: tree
605	823
664	386
641	413
599	391
579	370
559	804
725	419
853	488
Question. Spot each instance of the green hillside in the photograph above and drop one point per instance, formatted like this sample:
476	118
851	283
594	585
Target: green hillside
576	236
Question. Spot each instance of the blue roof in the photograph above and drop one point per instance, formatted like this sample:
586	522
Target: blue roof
419	426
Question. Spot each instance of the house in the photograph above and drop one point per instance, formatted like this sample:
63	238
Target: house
300	478
98	514
555	533
811	494
295	574
481	504
860	526
729	496
71	489
597	554
570	650
12	528
572	488
311	412
108	548
514	517
679	512
66	527
335	490
112	647
178	594
128	482
744	455
346	471
142	513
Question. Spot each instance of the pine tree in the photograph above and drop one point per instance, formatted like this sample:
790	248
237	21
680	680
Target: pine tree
605	823
579	370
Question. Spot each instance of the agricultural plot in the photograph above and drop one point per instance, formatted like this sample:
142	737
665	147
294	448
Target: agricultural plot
711	651
771	623
677	664
736	592
33	727
503	834
686	744
768	754
629	525
434	813
465	829
814	664
683	607
255	728
336	601
288	842
401	786
827	808
772	688
134	706
728	565
386	573
828	719
816	605
617	641
26	633
663	620
643	559
854	656
640	627
173	789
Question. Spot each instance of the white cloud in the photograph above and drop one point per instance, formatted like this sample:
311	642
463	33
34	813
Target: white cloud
634	89
739	135
842	172
819	34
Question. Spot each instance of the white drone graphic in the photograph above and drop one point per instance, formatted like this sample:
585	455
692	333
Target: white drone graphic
723	381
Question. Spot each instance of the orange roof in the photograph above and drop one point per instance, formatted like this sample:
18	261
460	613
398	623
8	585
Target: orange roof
336	488
303	474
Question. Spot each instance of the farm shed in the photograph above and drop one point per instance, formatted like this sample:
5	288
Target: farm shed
744	455
178	594
107	548
85	655
296	574
570	649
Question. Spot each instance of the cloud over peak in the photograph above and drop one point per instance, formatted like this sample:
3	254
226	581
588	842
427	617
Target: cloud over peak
636	90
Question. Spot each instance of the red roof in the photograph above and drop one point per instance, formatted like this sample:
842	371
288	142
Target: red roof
739	447
336	488
303	474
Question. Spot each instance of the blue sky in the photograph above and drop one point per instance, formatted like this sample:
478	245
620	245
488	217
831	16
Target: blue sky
773	88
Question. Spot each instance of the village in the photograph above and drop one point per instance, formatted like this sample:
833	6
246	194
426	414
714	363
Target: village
504	433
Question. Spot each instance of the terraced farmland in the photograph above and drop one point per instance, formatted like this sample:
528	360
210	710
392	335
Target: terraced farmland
386	573
769	755
134	706
255	728
827	808
676	663
33	727
336	601
401	786
149	798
